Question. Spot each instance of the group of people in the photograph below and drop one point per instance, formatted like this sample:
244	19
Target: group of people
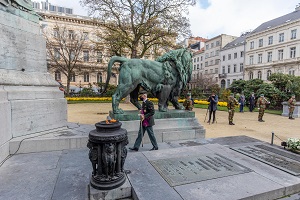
147	112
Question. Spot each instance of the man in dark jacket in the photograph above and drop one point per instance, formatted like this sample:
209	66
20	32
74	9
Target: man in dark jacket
147	120
252	102
212	107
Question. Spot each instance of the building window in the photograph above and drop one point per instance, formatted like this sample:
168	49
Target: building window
260	42
217	43
216	61
197	59
194	60
73	79
206	55
251	60
197	66
252	45
234	68
86	56
281	37
269	56
71	34
194	67
292	52
99	56
241	67
229	56
206	64
242	54
55	32
223	84
223	58
292	72
228	69
201	58
217	52
206	71
99	77
57	75
211	54
270	40
86	77
259	58
211	62
228	82
201	65
69	10
60	9
250	75
216	70
269	74
280	54
85	35
211	45
211	71
223	69
56	54
235	55
293	34
207	46
259	75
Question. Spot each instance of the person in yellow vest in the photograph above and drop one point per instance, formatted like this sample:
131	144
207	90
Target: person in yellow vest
291	104
231	103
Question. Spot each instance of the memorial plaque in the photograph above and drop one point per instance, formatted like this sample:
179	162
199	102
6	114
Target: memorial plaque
268	156
184	170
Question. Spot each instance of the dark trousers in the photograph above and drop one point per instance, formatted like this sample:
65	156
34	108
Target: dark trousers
251	107
242	108
214	115
150	132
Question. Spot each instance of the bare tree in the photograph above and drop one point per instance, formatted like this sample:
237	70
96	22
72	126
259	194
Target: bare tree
138	25
64	50
206	81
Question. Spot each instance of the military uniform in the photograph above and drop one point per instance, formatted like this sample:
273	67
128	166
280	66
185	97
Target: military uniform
188	103
231	103
148	111
261	105
291	104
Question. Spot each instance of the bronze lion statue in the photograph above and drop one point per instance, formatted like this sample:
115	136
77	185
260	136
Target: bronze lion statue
164	78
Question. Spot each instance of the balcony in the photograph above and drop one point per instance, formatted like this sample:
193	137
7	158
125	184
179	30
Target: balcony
222	75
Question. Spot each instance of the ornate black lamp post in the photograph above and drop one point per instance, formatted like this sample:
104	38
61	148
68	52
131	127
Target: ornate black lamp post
107	144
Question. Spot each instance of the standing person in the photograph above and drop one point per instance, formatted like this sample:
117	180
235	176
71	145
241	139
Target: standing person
188	103
252	102
291	104
147	111
212	107
261	105
231	103
242	102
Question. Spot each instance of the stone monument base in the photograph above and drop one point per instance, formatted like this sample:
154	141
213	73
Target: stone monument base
124	191
285	110
169	126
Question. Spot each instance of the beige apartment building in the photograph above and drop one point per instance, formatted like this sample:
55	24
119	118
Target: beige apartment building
274	47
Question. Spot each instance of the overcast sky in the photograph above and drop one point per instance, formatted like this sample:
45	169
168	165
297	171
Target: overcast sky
210	18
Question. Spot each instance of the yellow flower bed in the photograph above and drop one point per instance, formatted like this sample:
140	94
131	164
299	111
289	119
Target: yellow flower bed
201	102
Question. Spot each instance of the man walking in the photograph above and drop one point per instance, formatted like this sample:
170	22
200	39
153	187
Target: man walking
252	102
146	113
212	107
291	105
231	103
261	105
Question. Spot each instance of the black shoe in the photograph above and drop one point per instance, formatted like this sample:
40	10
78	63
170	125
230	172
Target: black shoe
208	122
230	123
133	149
213	122
261	120
291	118
153	149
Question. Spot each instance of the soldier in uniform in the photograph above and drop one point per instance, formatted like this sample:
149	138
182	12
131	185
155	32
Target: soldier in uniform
147	119
188	103
291	104
231	103
261	105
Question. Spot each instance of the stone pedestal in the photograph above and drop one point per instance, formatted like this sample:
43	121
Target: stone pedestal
285	109
30	101
169	126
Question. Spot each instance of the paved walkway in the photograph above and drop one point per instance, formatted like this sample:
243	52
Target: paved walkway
246	123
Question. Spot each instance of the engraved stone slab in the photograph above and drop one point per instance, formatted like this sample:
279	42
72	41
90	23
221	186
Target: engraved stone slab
184	170
271	157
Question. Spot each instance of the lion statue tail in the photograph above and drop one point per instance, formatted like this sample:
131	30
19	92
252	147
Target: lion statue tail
109	68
